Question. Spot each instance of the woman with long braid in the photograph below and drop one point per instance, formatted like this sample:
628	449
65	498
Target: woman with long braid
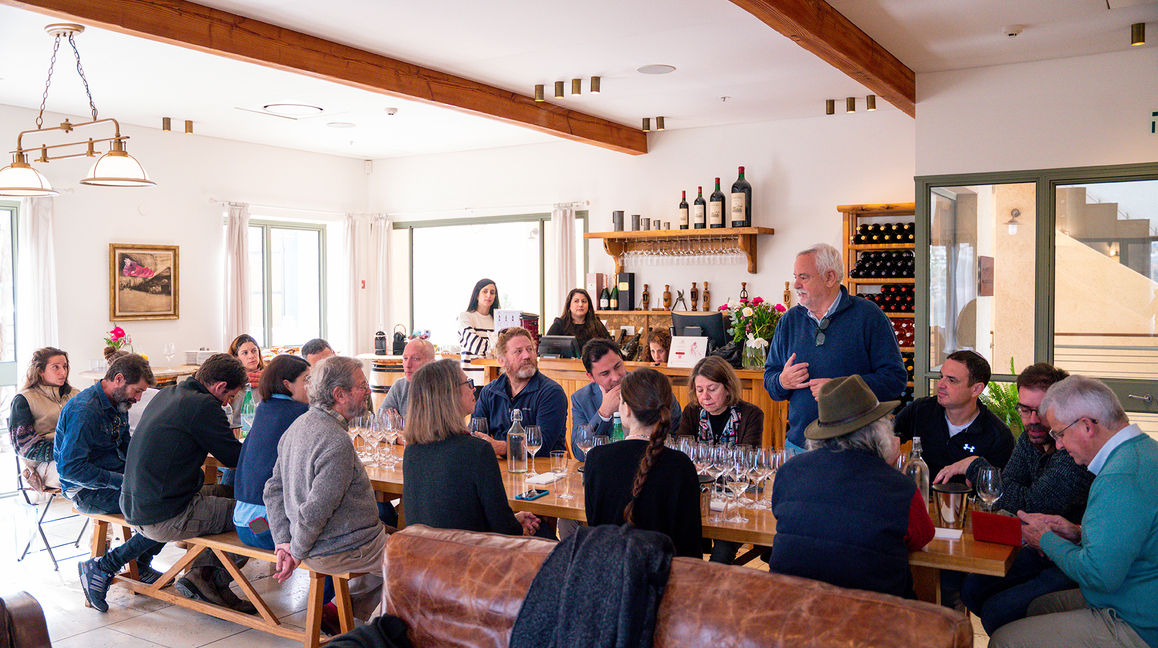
640	482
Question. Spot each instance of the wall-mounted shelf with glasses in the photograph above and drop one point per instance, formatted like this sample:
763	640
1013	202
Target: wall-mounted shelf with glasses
662	246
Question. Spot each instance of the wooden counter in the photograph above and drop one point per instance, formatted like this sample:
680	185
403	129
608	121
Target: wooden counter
163	375
572	377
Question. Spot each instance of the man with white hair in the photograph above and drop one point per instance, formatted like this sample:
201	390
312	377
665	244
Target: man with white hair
829	334
417	354
1113	553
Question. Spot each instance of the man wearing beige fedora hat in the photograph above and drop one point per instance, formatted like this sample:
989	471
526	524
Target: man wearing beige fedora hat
844	515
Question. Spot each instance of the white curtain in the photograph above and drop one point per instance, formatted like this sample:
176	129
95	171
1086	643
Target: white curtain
236	271
36	267
563	248
381	284
353	233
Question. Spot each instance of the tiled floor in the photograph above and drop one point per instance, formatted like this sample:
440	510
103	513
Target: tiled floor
138	621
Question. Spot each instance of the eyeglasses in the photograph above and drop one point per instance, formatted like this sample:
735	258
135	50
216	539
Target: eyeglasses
468	381
820	328
1027	411
1060	433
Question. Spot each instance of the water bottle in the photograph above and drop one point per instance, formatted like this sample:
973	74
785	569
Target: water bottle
616	428
916	469
517	445
248	411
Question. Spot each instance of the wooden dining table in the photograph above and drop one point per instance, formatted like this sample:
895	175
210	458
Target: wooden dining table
964	554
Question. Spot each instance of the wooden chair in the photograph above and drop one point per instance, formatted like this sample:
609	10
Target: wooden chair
22	622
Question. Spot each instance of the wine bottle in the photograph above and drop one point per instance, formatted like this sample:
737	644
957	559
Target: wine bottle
683	209
613	300
716	207
699	211
605	299
741	202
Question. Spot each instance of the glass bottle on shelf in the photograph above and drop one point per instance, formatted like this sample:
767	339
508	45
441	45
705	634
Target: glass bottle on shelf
605	299
716	207
699	211
683	209
613	301
741	202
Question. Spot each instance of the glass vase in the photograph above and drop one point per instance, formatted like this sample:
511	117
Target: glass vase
754	357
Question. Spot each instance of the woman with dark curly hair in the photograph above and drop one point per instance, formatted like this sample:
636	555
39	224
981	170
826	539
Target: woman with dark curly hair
638	481
32	423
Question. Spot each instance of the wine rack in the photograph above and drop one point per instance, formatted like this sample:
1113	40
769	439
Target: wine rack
885	263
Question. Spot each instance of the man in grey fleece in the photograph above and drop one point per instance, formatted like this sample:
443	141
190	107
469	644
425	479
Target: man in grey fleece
320	505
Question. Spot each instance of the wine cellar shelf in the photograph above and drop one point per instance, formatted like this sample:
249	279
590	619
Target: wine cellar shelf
697	240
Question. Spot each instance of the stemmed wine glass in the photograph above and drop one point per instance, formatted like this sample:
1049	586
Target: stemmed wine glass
357	436
717	458
760	470
989	486
534	442
170	351
736	479
585	439
559	467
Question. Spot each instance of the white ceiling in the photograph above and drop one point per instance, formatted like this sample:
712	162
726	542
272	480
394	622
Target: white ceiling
718	50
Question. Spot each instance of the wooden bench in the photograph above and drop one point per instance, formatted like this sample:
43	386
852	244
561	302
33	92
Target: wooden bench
228	543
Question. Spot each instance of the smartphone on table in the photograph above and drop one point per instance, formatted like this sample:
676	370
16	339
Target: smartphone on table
533	494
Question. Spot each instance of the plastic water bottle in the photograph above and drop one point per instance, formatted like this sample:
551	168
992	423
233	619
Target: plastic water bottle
916	469
616	428
517	444
248	411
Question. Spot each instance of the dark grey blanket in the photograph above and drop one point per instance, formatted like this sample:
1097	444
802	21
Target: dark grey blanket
601	587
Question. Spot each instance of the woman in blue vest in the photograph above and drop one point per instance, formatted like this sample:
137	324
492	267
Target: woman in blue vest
844	514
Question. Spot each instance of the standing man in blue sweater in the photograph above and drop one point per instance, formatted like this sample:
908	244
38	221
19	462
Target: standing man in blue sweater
829	334
1113	554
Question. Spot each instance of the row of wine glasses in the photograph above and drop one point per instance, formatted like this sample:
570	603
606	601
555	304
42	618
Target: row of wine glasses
368	433
683	251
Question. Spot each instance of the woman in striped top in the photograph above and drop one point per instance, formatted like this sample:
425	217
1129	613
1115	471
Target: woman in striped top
476	325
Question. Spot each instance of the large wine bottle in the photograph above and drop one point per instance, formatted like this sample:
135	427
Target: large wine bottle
605	299
741	202
716	207
699	211
683	210
614	302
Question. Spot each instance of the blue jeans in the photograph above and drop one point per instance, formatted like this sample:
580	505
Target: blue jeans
138	547
998	601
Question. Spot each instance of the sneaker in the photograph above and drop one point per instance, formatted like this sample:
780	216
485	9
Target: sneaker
94	582
194	587
147	575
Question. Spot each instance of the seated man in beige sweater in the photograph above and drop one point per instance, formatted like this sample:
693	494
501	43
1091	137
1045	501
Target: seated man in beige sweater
321	508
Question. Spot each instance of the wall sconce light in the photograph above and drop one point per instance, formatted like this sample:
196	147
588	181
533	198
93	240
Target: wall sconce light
539	92
595	85
850	105
188	126
646	124
558	89
829	106
576	87
166	124
1012	222
870	103
659	123
116	168
1138	34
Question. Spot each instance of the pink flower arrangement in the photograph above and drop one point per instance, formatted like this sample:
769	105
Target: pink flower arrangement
117	338
754	320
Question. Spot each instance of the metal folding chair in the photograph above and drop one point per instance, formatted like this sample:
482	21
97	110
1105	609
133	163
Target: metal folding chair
42	513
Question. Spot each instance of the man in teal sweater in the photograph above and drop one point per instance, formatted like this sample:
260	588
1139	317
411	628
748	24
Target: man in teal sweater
1113	554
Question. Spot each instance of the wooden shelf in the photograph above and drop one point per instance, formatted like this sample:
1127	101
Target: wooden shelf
616	244
871	281
892	315
872	247
906	349
888	209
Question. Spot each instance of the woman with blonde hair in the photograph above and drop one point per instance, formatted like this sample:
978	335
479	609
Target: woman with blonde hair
450	479
35	409
638	481
715	413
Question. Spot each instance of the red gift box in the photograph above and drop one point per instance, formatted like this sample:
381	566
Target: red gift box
992	527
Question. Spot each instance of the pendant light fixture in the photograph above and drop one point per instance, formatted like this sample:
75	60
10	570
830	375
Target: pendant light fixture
116	168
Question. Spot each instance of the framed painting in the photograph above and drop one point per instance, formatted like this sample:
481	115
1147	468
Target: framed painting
143	282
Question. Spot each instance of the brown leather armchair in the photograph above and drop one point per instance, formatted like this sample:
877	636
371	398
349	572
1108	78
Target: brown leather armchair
457	588
22	622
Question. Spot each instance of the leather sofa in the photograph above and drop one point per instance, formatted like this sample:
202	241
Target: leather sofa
457	588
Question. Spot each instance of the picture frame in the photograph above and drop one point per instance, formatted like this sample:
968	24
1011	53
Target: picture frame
144	282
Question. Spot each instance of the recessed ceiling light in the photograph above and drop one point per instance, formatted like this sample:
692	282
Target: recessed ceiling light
292	109
656	69
341	125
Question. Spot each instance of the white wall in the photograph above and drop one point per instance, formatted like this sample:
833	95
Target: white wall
1083	111
800	171
188	170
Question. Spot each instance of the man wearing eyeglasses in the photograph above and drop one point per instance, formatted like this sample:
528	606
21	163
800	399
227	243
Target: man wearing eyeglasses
1038	478
829	334
1113	554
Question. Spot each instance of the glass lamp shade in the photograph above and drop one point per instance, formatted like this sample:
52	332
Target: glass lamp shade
20	179
117	169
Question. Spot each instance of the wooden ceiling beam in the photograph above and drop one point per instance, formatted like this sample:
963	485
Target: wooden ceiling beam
822	30
186	24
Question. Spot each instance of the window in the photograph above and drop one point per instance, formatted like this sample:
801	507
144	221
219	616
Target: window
9	372
448	256
286	279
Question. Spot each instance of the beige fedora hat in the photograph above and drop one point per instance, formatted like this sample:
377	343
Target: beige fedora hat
846	404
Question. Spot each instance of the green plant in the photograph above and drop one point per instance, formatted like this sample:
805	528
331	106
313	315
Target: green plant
1001	399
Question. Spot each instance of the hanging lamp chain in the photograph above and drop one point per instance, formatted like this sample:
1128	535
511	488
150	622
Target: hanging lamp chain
48	81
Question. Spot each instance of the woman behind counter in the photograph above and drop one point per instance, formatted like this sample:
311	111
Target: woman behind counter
32	423
579	319
658	345
476	325
450	479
